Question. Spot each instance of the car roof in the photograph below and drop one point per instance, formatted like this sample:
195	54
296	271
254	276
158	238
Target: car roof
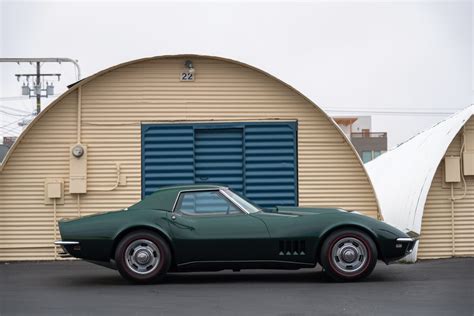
191	187
164	198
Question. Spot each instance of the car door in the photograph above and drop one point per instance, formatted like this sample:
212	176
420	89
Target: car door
207	226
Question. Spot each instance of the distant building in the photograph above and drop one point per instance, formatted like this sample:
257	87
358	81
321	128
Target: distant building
3	151
7	143
9	140
368	144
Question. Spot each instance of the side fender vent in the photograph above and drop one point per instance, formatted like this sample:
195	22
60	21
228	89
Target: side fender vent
292	248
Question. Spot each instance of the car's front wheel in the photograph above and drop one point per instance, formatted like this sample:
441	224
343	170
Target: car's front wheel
142	257
348	255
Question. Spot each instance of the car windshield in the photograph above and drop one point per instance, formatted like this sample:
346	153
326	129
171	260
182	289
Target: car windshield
247	205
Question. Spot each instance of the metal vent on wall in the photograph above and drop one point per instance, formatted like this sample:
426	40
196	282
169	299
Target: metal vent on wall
258	160
167	156
219	157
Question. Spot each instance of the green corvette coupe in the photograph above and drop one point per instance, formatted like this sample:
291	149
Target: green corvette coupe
210	228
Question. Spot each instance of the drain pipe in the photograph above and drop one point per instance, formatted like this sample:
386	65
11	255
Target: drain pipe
79	131
453	198
54	228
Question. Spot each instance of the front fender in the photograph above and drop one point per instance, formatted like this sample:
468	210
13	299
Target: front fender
382	234
348	224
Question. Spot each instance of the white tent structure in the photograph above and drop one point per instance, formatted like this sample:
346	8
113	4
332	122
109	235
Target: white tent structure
402	177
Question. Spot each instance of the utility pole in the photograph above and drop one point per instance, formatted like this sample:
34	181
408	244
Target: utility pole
37	89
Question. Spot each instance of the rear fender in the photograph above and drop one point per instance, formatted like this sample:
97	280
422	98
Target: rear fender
142	226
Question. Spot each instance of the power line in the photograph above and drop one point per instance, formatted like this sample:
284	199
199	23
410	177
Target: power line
17	121
14	98
10	125
15	114
415	112
20	97
37	87
10	130
14	107
45	60
14	111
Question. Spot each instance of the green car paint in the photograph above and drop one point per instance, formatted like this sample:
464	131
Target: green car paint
281	237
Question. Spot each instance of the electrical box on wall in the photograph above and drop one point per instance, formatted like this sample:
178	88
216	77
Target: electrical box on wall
78	169
468	154
452	169
53	190
468	163
469	140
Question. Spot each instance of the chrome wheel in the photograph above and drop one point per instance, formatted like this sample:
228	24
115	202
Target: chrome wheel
142	256
349	254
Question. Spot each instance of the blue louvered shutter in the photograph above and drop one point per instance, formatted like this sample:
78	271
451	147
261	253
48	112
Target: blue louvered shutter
256	159
167	156
270	163
218	156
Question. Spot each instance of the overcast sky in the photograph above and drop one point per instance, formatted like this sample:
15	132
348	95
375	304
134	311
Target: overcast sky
347	56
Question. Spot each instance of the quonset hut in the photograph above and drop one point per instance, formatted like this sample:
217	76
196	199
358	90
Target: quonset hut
426	185
124	132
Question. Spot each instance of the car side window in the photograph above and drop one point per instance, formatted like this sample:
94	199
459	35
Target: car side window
205	203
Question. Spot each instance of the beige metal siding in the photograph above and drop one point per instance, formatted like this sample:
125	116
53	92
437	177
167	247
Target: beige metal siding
26	224
436	229
113	107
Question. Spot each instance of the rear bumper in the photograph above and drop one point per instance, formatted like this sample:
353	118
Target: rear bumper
66	243
69	246
88	249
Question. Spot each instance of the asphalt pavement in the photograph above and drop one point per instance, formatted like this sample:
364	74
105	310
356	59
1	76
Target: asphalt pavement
435	287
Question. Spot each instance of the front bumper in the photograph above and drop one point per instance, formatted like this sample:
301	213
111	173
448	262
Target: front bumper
406	244
397	248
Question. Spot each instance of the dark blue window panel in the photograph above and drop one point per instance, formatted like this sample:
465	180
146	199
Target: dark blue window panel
218	157
167	156
271	164
256	159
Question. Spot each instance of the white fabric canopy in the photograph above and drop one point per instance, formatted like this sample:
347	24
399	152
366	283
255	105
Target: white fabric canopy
402	177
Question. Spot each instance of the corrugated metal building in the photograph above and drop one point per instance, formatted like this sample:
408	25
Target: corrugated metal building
427	185
128	130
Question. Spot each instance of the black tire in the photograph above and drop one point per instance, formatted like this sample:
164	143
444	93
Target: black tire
135	249
344	245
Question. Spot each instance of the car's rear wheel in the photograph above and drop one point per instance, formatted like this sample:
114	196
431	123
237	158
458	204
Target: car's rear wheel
142	257
348	255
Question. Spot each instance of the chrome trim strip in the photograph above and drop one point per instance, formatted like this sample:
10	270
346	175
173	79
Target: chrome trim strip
405	239
66	243
222	191
247	261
